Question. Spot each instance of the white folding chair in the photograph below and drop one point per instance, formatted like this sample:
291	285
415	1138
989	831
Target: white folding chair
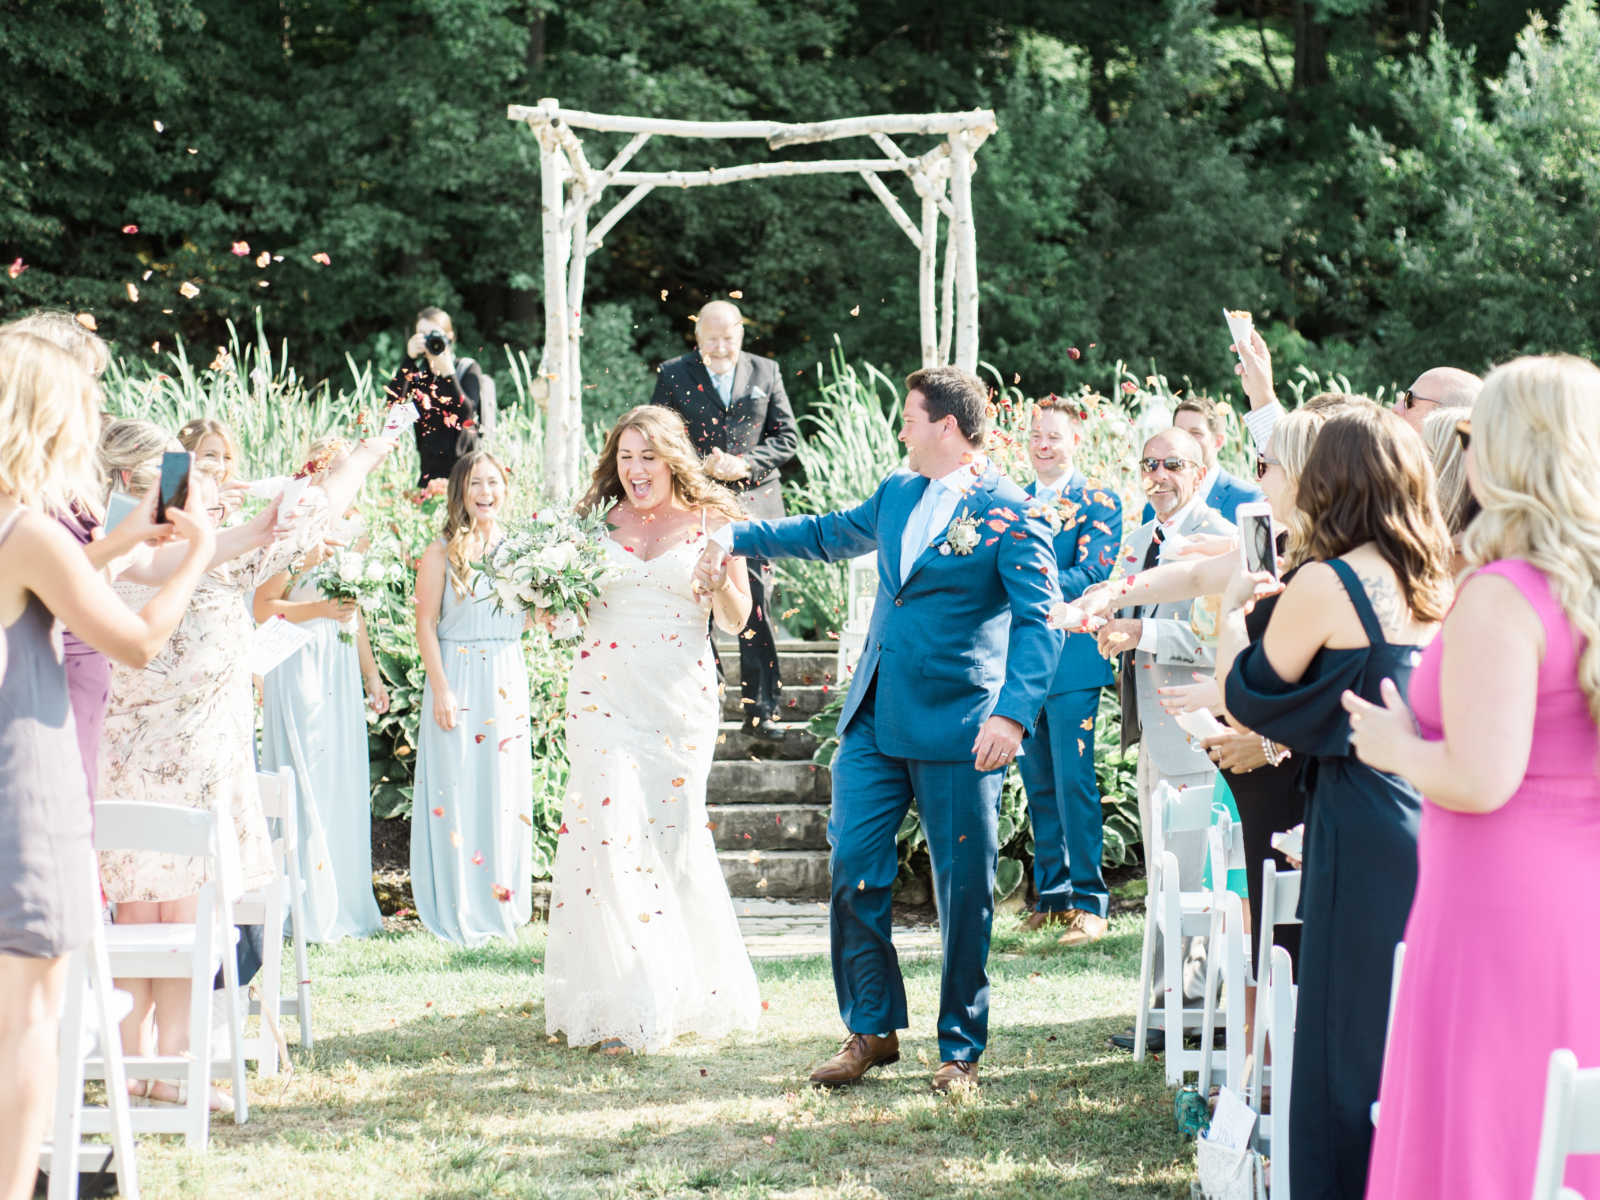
1280	898
264	906
1571	1123
1227	956
1280	995
1388	1025
280	801
92	1010
172	951
1170	915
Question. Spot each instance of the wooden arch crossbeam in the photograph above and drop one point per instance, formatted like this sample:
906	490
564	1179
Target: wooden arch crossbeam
570	187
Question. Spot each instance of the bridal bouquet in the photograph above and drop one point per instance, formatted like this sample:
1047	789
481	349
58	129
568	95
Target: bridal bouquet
551	562
348	576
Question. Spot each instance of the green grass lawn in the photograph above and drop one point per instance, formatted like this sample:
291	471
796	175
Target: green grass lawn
432	1077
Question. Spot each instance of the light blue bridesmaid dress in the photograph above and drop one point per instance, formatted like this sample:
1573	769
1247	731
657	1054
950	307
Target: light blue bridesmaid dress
471	820
313	721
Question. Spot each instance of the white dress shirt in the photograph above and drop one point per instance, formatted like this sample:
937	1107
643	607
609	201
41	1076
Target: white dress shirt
934	510
1170	537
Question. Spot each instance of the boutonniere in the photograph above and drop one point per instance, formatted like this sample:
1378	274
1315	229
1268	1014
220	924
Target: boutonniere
962	536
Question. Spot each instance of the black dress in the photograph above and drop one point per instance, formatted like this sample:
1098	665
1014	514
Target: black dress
447	413
1269	801
1355	894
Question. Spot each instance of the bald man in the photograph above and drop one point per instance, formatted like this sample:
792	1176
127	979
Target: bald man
741	424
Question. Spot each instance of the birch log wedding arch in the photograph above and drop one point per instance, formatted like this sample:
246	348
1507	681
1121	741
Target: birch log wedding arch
570	187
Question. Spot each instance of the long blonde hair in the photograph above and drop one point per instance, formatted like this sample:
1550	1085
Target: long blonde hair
463	547
134	446
1535	442
49	420
664	432
72	335
1449	467
198	430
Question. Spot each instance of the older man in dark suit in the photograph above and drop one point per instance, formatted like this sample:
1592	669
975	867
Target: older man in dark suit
740	422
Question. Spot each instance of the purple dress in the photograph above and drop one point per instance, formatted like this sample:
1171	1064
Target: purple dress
1500	965
88	674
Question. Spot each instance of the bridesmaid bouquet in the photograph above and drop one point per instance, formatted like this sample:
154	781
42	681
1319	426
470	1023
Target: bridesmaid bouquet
362	580
551	562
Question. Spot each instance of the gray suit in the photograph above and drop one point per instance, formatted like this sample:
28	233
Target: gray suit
1165	752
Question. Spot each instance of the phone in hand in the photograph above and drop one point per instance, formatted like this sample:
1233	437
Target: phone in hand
174	490
1258	548
118	506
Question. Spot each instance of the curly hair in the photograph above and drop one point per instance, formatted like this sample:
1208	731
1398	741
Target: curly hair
1535	440
49	422
463	546
664	432
1368	479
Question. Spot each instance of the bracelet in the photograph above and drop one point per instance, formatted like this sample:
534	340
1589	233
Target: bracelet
1273	752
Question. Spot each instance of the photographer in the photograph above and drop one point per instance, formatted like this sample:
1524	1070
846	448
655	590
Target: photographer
448	392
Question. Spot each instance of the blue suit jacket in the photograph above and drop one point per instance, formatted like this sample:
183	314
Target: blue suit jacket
964	637
1086	553
1230	492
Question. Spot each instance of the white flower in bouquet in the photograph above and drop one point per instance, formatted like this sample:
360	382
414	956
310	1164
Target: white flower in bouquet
558	557
377	571
349	567
552	563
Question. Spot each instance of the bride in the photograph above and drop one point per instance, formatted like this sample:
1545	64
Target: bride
644	946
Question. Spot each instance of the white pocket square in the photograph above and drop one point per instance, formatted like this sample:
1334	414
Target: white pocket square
757	394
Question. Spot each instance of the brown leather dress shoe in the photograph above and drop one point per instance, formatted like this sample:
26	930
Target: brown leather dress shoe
1083	928
955	1075
1038	920
859	1054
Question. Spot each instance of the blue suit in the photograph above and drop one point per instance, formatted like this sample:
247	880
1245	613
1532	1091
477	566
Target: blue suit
961	637
1224	496
1058	770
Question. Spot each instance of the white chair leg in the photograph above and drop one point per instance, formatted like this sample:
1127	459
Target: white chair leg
68	1125
1215	936
1147	959
230	987
1237	977
197	1086
116	1077
1172	998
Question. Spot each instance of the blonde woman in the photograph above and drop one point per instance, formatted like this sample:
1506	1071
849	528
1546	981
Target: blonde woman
49	417
644	945
1500	962
215	448
312	722
1456	500
472	804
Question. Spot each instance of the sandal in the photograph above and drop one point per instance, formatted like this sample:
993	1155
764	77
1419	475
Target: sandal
220	1101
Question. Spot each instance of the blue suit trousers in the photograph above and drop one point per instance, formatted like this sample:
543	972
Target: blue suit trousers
1064	805
959	809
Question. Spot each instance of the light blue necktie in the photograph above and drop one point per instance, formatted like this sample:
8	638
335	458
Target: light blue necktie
919	529
724	386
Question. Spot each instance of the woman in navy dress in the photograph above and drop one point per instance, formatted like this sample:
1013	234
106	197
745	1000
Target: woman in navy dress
1373	583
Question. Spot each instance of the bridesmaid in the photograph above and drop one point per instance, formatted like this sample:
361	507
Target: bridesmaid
471	817
312	723
1374	583
1500	965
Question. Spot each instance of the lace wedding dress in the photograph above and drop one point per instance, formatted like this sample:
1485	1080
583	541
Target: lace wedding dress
644	946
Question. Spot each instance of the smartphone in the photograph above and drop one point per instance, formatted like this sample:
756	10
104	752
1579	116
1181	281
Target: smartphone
117	507
174	490
1258	548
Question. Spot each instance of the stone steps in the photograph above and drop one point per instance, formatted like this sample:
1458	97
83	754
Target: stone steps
797	702
776	874
766	801
768	826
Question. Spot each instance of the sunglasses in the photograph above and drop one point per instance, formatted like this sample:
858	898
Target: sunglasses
1172	464
1262	463
1464	433
1409	399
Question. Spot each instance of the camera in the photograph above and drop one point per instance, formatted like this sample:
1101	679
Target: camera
435	342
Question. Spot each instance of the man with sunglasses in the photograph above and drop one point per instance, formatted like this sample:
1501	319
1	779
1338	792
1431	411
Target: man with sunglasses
1157	647
1223	492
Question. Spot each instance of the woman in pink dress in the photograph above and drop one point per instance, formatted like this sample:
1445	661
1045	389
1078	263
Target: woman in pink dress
1501	964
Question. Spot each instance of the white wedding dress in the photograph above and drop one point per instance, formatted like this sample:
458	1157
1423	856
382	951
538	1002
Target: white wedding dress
644	945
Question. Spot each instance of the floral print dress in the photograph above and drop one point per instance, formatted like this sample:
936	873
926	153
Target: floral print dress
181	730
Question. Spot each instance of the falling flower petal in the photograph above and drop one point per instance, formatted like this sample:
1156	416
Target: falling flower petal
1074	353
501	892
16	268
188	290
477	858
130	229
321	257
241	249
159	127
263	259
856	311
438	811
133	291
87	321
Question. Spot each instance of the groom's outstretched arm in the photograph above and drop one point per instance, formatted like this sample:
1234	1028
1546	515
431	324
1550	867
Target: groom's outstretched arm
829	536
1027	562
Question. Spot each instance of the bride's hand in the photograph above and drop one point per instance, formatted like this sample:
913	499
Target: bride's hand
711	571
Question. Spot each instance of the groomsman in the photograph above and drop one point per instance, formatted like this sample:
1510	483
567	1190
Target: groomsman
1058	769
740	422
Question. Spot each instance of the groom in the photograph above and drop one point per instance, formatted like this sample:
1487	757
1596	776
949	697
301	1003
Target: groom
955	669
